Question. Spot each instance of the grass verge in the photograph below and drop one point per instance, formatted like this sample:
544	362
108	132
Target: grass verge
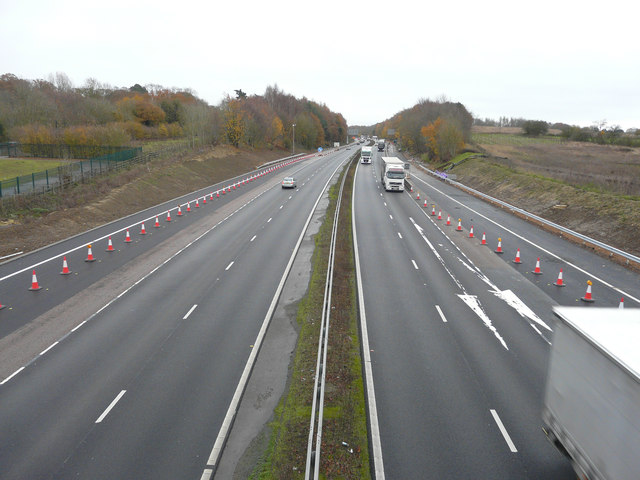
345	452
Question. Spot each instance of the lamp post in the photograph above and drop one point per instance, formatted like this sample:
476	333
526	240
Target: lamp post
293	144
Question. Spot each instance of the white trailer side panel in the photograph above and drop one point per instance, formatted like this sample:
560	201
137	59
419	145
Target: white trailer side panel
592	400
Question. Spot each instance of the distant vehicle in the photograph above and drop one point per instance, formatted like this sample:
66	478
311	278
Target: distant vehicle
365	155
392	174
381	145
289	182
592	398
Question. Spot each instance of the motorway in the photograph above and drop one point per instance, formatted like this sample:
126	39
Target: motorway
127	367
458	335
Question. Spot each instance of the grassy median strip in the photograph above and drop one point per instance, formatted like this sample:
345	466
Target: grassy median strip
345	452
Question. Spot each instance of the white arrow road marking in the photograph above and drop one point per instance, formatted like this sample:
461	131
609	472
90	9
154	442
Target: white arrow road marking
474	304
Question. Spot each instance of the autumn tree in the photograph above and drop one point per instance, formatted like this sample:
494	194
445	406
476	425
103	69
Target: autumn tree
234	126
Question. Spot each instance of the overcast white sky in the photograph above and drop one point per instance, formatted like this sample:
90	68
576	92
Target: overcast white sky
556	60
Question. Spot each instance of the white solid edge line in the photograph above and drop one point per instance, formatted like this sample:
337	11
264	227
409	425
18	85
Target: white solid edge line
444	319
376	446
48	348
503	430
237	396
548	252
190	312
111	405
11	376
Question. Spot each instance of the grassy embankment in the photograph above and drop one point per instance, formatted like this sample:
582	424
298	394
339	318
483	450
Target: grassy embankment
592	189
344	412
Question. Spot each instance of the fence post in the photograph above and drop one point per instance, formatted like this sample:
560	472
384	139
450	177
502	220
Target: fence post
47	174
18	184
81	172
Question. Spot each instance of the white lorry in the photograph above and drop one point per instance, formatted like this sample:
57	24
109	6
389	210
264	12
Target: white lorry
392	174
365	155
592	400
381	145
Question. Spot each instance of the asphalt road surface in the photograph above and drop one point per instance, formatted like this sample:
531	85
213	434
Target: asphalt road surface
144	354
458	335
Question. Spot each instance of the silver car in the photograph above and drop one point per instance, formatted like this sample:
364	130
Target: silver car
289	182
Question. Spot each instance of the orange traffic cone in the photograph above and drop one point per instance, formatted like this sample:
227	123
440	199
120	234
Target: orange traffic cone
179	211
439	214
168	215
197	204
537	270
433	211
143	231
211	196
218	192
517	259
587	296
448	219
418	196
484	239
34	282
204	200
471	232
621	303
499	249
109	246
188	207
65	267
127	238
459	227
425	203
559	282
89	255
2	306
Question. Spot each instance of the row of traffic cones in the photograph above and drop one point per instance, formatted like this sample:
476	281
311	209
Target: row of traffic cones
588	297
35	286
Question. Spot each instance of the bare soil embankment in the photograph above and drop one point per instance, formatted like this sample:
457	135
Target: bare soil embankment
110	197
592	189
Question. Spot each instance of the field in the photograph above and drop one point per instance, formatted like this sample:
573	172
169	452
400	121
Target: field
16	167
593	189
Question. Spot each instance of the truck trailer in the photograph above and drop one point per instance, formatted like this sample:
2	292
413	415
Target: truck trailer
392	174
591	409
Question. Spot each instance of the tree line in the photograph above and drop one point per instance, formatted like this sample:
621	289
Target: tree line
435	129
54	111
